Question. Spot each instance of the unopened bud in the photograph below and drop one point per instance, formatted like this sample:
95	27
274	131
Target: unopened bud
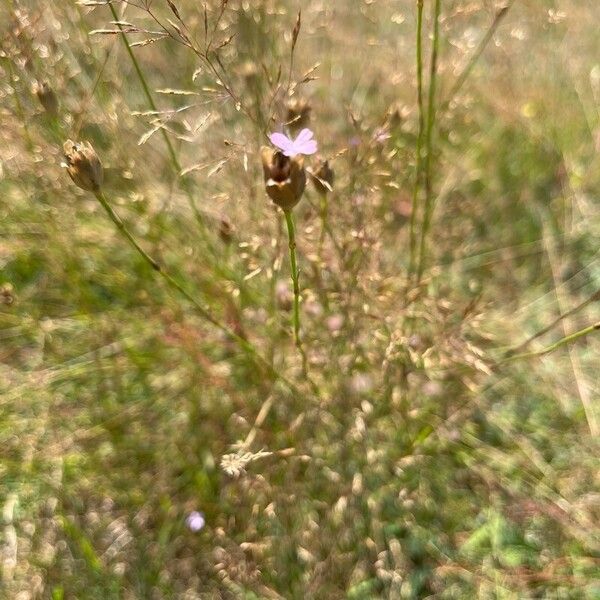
48	99
83	165
285	177
298	114
323	178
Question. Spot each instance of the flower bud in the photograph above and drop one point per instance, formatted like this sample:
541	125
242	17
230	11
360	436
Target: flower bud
83	165
48	99
298	114
285	177
323	178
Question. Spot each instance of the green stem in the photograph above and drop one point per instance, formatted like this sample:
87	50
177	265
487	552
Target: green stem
220	267
244	344
324	214
429	138
460	80
289	219
150	99
419	160
562	342
593	298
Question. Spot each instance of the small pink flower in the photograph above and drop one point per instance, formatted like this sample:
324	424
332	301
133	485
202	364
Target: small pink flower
303	144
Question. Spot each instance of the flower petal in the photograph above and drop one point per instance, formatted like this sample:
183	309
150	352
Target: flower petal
282	142
305	135
307	147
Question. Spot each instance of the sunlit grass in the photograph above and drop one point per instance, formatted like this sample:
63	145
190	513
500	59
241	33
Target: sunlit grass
423	443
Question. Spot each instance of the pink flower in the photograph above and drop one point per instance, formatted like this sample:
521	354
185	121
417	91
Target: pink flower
303	144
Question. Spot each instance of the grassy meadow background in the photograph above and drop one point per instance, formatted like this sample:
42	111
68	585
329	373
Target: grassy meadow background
413	460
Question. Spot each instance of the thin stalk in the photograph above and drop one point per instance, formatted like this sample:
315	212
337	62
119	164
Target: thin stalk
460	80
289	219
244	344
324	210
217	264
150	99
562	342
419	158
593	298
429	138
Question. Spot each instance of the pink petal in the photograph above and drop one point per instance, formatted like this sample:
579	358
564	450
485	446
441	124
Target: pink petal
304	136
308	147
282	141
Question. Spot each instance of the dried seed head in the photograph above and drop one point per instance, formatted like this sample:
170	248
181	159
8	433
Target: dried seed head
323	178
285	177
83	165
48	99
297	113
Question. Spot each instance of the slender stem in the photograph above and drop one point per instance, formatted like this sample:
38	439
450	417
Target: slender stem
150	99
217	264
244	344
460	80
419	158
562	342
593	298
429	138
324	215
289	219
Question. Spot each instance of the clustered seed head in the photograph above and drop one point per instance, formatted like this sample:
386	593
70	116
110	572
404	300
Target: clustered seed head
285	177
323	178
45	94
83	165
298	114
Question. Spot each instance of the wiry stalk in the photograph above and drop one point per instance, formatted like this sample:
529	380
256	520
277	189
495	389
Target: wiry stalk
419	158
562	342
428	209
152	104
289	219
218	265
460	80
244	344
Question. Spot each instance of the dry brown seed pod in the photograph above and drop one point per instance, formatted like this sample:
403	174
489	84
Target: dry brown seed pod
285	177
83	165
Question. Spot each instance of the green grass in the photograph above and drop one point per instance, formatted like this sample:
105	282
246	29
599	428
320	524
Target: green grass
415	462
